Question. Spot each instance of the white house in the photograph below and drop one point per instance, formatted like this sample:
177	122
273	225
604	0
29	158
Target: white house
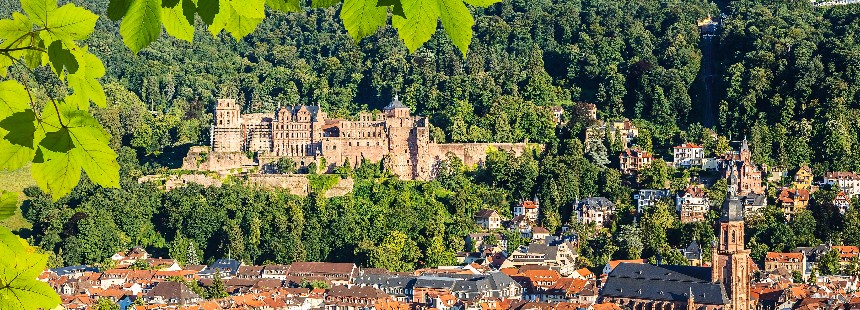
692	204
848	182
646	198
688	155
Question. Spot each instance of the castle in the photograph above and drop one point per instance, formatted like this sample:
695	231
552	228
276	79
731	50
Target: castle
306	135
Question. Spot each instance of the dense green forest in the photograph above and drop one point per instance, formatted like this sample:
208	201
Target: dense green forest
788	78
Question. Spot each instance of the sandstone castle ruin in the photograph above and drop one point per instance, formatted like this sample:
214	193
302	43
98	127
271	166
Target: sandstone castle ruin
305	134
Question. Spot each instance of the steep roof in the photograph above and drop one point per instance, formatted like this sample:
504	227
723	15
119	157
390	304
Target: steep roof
664	283
395	104
172	290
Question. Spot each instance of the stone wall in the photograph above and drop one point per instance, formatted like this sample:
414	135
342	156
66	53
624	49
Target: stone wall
169	182
298	184
473	154
200	158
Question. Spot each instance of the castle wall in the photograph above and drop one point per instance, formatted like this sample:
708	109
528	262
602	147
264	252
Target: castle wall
201	158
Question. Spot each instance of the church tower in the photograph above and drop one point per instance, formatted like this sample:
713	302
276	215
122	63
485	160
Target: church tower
730	260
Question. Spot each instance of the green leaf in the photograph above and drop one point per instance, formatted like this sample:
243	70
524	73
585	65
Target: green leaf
69	22
78	143
208	9
233	20
323	3
285	6
362	18
55	168
8	204
169	3
92	149
21	128
458	22
19	270
85	81
396	6
421	24
250	8
20	137
13	98
38	10
482	3
117	8
177	22
61	58
141	25
12	31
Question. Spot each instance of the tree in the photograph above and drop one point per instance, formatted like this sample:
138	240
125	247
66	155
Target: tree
285	165
397	252
629	240
828	264
217	290
656	175
106	304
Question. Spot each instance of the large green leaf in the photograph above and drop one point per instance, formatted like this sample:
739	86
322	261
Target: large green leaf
92	149
239	18
13	98
420	25
69	22
74	141
56	169
362	18
179	20
458	22
284	5
13	30
38	10
208	9
61	58
85	82
8	204
323	3
19	270
117	8
141	24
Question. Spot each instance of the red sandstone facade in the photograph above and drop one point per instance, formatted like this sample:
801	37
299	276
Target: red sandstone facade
305	134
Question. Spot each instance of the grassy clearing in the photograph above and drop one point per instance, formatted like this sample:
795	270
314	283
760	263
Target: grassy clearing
16	181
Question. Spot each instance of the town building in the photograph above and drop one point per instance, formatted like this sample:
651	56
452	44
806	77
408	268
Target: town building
792	201
848	182
646	198
688	155
692	204
528	208
634	159
788	261
594	210
306	135
842	202
753	203
557	114
748	173
488	219
171	293
803	178
723	285
693	253
558	255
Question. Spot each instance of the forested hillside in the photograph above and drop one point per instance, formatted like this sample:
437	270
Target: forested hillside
788	78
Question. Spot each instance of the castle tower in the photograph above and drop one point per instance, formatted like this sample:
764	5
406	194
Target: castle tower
730	262
227	131
746	155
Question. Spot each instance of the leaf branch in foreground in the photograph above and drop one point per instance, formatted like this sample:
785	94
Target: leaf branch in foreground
19	270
